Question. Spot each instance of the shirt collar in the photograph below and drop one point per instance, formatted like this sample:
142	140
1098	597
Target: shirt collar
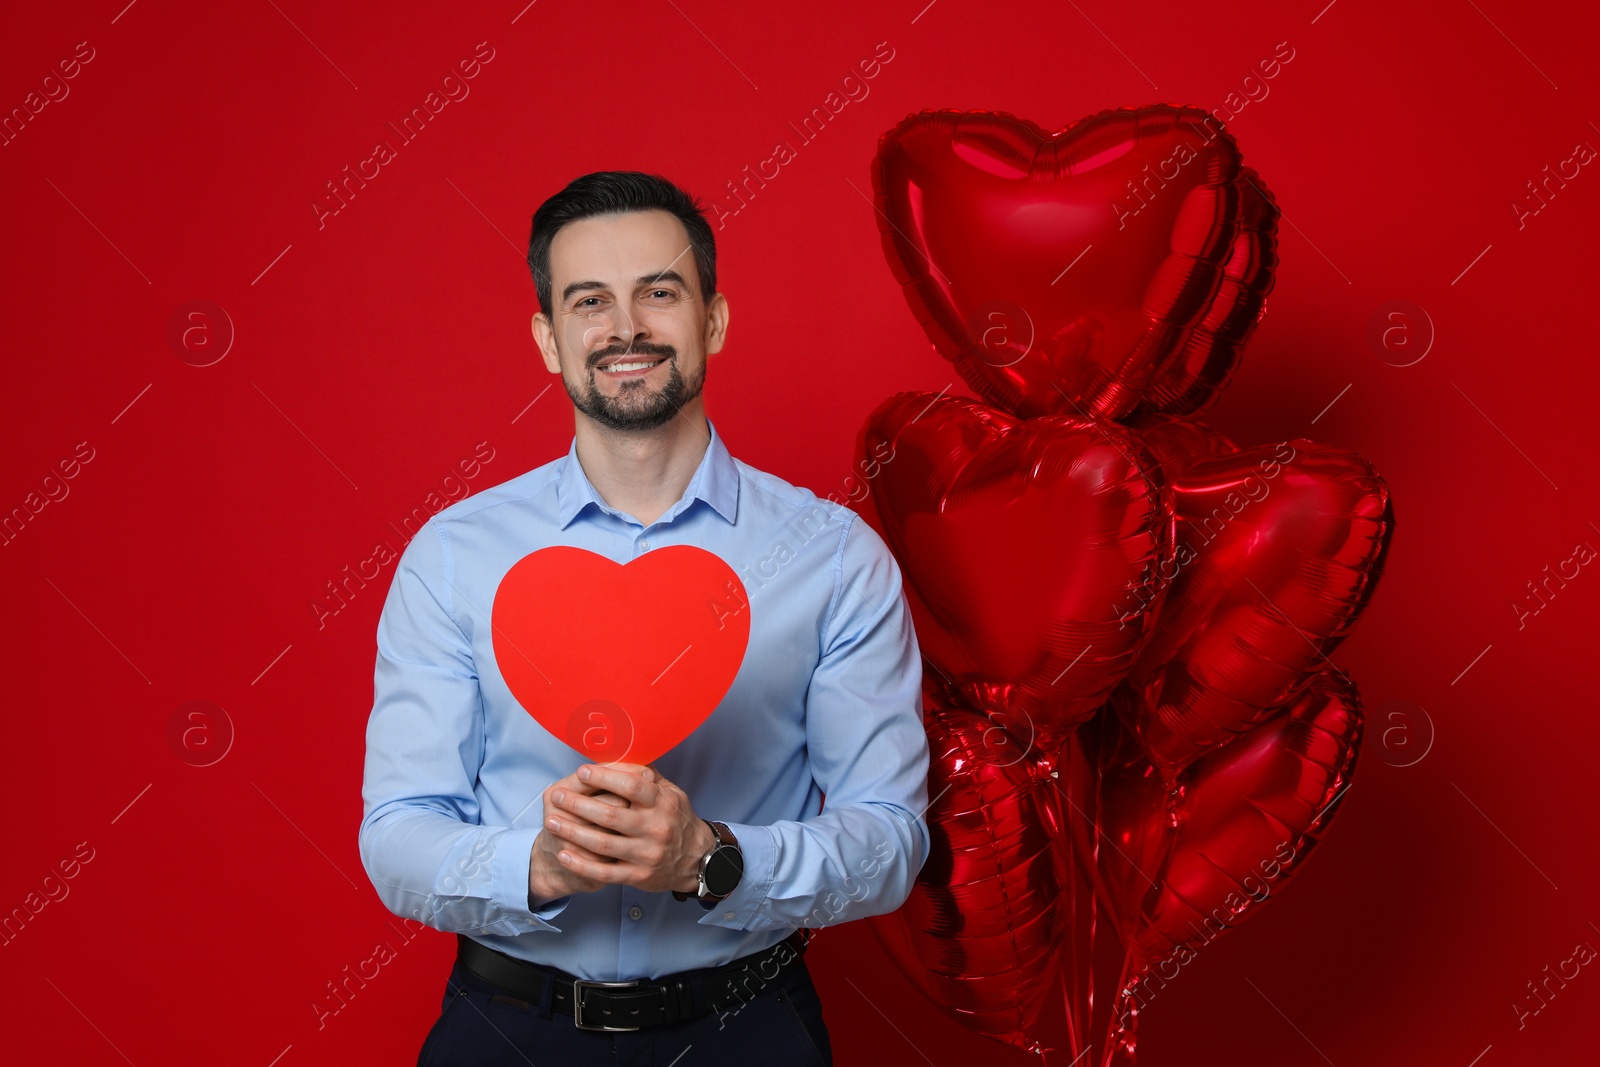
715	480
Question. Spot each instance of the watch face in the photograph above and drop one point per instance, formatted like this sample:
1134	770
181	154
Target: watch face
723	871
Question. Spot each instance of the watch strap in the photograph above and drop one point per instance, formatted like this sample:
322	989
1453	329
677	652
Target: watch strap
716	839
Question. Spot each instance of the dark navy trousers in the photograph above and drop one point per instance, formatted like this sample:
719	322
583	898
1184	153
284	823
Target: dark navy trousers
481	1025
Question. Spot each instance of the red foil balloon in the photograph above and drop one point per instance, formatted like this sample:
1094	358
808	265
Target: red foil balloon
981	933
1248	817
1120	262
1196	376
1279	548
1031	550
1180	443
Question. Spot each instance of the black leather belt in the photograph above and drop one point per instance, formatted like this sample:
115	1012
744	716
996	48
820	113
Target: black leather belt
639	1002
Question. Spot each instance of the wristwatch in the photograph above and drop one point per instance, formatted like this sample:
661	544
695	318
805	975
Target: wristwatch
721	868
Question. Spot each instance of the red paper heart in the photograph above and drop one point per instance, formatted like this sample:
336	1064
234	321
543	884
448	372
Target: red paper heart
984	218
620	662
1032	550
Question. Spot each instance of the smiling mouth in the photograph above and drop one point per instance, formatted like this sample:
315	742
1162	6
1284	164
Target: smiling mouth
632	365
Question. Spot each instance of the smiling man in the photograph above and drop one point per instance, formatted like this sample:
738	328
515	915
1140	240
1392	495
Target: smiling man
614	912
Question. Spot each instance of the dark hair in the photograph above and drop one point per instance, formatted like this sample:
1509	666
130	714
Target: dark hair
612	192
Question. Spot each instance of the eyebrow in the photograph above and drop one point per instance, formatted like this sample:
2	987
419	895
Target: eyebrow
644	279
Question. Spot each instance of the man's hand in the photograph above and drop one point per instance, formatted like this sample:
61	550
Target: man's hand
548	877
652	840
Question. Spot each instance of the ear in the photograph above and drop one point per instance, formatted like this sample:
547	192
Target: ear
716	323
544	336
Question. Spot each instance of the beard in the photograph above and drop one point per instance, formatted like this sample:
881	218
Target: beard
635	407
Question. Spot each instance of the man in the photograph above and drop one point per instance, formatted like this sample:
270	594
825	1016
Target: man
687	881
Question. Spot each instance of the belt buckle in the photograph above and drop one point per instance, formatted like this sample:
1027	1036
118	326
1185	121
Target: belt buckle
578	985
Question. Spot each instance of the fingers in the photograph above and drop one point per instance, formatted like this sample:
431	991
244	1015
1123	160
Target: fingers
578	866
624	779
572	783
646	792
632	768
552	875
617	823
600	826
644	841
564	851
602	871
608	834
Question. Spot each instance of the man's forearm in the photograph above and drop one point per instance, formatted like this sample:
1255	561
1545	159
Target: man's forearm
455	877
844	864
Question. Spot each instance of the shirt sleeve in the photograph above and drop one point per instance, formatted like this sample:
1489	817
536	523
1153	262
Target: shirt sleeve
869	754
421	839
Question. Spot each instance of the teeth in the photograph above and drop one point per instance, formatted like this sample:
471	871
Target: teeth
619	367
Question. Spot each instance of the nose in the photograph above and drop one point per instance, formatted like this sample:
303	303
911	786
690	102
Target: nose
613	326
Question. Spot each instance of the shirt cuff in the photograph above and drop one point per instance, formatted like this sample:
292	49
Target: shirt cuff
759	846
513	857
551	909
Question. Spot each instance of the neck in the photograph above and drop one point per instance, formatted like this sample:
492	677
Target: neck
643	472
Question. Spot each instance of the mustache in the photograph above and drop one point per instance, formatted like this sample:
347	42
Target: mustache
638	348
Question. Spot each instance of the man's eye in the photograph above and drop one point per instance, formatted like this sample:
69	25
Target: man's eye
584	301
663	292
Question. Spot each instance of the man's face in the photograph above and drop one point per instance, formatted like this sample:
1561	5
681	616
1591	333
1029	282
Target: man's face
629	332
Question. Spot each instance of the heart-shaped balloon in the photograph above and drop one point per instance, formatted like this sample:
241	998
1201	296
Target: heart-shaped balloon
1180	443
981	932
1196	376
1032	550
1177	872
620	662
1121	261
1279	548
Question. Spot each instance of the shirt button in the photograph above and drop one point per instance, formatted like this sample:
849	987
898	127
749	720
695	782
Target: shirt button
635	911
644	544
728	914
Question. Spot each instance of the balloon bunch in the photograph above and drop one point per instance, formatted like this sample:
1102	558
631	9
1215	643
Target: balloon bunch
1127	618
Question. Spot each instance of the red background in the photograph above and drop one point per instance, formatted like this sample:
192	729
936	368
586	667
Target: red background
376	352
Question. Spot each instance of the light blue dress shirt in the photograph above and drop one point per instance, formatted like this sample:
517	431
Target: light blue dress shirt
827	701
